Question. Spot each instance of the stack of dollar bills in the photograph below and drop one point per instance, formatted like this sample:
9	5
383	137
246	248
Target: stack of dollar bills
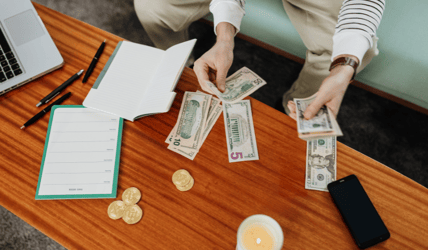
320	133
197	116
199	112
323	124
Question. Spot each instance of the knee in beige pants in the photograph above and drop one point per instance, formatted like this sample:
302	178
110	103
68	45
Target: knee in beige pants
158	13
166	21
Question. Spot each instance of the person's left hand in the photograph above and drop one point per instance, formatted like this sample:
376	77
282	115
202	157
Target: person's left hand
331	93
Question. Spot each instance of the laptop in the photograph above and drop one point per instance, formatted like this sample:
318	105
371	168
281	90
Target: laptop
26	49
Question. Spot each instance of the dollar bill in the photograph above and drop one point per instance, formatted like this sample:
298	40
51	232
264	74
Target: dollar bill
187	136
191	154
171	134
323	124
240	137
214	109
214	103
212	119
321	163
214	112
238	86
188	153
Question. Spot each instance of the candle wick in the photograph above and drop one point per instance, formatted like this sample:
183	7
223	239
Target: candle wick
258	240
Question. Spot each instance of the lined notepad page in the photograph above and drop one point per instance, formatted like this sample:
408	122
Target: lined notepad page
81	153
126	81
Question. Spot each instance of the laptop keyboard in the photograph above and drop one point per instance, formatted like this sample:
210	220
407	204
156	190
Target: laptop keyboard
9	66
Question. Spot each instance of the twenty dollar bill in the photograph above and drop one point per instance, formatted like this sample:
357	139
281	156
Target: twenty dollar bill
321	163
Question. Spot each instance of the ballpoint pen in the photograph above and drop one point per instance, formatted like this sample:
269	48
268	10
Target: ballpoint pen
47	109
94	62
59	89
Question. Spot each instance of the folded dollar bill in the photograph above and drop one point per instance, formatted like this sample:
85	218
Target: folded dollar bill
323	124
238	86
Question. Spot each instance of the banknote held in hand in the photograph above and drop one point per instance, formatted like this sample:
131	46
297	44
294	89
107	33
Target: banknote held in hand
321	125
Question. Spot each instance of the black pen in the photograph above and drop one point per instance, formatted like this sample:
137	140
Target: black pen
47	109
60	88
94	62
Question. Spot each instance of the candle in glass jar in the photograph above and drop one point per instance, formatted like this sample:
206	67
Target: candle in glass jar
259	232
257	237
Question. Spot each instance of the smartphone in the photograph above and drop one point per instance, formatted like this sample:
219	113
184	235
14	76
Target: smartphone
358	211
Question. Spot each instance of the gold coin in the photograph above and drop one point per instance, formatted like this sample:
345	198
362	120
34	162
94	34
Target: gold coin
116	209
181	177
131	196
184	184
186	187
132	214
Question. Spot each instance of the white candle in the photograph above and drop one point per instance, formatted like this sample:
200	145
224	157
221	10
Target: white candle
259	232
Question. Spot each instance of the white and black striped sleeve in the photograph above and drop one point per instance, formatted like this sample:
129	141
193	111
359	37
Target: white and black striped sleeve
356	27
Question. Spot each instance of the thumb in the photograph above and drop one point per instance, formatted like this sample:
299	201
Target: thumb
221	79
314	107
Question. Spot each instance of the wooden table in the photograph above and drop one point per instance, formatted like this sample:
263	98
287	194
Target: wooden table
224	194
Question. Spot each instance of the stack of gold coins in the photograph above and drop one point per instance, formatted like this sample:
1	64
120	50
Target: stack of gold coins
127	209
183	180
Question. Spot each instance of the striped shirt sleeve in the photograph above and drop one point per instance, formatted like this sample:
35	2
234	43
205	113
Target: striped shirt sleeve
230	11
356	27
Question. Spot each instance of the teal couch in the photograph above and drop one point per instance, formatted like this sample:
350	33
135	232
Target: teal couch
400	69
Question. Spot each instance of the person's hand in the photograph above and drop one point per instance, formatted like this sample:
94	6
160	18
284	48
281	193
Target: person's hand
292	107
331	92
215	63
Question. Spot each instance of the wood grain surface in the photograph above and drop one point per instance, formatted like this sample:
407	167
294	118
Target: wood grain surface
224	194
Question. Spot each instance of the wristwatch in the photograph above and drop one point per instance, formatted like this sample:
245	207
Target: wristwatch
345	61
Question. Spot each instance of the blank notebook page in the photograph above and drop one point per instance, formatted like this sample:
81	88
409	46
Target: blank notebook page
126	80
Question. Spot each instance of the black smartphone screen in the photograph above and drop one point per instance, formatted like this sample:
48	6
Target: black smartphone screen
358	211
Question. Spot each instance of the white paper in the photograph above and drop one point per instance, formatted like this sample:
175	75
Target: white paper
140	80
172	64
81	153
126	80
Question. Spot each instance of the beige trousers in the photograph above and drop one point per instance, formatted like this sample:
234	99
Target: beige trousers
167	21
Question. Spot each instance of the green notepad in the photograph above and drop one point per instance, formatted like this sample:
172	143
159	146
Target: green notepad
81	155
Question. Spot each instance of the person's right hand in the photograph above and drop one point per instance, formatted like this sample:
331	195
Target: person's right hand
217	60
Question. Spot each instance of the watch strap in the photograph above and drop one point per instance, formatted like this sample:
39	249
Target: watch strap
345	61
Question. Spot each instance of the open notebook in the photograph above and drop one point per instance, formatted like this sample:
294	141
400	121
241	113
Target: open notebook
139	80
